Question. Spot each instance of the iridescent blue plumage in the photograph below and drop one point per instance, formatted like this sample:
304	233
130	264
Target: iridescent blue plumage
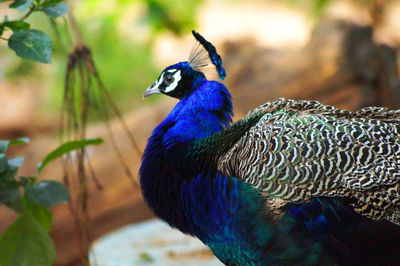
182	182
203	202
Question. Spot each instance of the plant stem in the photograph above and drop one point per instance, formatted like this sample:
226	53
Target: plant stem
32	8
5	39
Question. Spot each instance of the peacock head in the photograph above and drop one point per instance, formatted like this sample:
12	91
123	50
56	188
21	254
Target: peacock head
181	79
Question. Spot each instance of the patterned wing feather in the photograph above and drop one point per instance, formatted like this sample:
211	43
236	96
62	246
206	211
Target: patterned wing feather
301	149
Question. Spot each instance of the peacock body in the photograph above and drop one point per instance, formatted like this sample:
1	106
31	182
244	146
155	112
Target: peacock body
290	183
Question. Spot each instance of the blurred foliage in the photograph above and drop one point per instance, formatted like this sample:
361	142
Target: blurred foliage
125	65
176	16
125	32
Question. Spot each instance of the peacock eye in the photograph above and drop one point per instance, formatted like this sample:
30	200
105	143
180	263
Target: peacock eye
168	79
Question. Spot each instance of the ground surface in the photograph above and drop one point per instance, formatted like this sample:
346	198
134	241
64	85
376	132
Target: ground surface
150	243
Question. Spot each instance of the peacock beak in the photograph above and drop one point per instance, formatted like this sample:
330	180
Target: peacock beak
153	89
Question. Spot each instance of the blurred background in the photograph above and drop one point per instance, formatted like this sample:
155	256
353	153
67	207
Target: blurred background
339	52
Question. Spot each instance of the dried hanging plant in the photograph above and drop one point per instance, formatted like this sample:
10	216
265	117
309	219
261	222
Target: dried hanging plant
84	95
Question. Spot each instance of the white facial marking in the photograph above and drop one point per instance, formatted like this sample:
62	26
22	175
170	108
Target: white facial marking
177	78
159	81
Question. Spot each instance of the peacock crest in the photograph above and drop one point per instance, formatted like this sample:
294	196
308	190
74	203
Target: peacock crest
202	53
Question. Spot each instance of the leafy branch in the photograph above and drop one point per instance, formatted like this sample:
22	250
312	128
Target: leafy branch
26	42
26	241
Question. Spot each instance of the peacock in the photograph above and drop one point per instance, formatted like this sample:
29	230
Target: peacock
294	182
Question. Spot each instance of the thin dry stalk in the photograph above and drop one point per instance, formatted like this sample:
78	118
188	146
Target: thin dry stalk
84	92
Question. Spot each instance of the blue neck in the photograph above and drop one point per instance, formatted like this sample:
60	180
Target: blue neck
205	111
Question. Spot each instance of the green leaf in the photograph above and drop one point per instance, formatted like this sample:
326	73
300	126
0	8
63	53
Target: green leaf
9	170
31	44
56	10
26	243
23	140
9	174
67	148
17	205
21	5
4	145
3	163
41	214
47	193
8	192
1	29
16	25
